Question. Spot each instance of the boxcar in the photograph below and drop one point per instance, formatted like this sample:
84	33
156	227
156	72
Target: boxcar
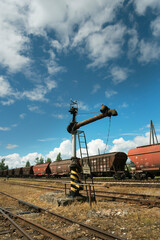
60	168
42	169
5	173
109	164
18	172
28	171
147	160
1	173
10	172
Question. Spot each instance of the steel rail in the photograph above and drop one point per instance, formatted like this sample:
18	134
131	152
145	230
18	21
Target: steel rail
19	229
93	230
97	191
38	227
131	200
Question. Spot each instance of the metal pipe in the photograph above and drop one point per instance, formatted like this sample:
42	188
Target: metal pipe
74	145
109	113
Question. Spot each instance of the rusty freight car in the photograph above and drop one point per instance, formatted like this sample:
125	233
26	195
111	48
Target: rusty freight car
42	170
147	160
109	164
60	168
28	171
10	172
18	172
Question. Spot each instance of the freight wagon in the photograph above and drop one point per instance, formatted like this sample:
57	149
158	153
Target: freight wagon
147	161
41	170
110	164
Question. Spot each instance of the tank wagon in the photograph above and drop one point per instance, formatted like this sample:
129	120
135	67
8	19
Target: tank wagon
147	161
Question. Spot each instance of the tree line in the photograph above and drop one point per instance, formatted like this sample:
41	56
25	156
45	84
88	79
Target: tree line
37	161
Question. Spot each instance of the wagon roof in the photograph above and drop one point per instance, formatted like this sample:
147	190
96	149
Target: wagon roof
41	165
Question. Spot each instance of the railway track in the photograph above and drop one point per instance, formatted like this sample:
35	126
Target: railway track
141	199
24	226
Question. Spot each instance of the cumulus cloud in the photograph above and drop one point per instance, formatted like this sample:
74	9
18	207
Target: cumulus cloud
15	160
65	149
123	145
96	146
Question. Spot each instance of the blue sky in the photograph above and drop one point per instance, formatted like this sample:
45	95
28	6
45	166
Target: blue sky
93	51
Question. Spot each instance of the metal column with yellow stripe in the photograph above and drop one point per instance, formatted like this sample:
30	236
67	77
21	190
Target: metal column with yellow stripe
75	181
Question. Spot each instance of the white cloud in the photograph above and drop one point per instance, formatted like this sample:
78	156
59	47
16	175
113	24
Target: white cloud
124	146
155	26
5	129
13	42
31	157
149	51
123	105
132	43
53	66
119	74
110	93
96	146
15	160
22	115
96	87
82	105
11	146
105	45
8	102
47	139
37	94
59	116
5	88
120	145
65	149
50	84
35	109
142	5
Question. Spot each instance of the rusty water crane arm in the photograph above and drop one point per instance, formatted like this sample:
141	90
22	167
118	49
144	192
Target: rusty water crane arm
105	112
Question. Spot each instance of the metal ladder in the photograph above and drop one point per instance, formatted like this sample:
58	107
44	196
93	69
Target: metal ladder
85	162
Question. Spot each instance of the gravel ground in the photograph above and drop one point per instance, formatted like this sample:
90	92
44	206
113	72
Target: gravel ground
128	220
